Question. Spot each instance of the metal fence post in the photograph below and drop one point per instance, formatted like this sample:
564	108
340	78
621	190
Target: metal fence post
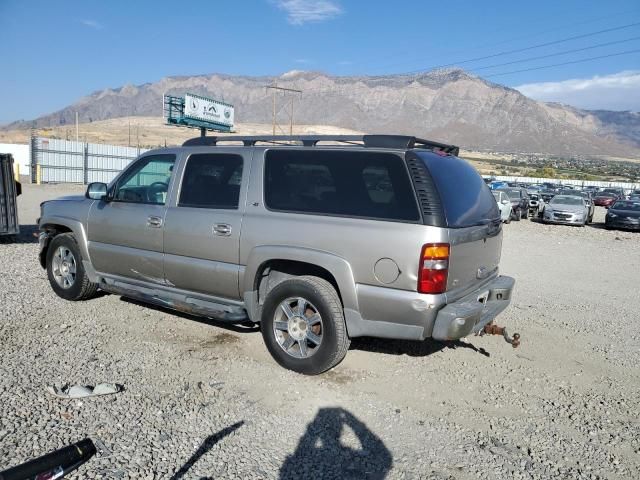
33	161
85	164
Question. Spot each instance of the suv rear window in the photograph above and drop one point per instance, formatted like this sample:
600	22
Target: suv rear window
465	198
341	183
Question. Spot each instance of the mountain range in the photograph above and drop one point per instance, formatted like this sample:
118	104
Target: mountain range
445	105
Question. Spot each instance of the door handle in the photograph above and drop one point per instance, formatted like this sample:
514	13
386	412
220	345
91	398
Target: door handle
154	222
222	229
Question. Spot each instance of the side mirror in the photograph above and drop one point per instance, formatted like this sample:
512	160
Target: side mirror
506	202
96	191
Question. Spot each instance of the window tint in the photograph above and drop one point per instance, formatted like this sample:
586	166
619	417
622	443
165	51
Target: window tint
360	184
212	181
146	181
466	199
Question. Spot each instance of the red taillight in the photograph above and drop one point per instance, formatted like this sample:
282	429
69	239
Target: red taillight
434	268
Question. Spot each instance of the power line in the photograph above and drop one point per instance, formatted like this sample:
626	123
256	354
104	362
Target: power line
540	45
507	52
556	54
537	33
564	63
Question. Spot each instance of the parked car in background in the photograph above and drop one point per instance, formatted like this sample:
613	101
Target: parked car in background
519	202
587	198
615	190
566	209
605	199
494	185
635	197
623	214
504	205
536	205
547	194
167	231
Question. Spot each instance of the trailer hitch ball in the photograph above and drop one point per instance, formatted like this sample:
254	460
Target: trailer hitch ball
491	329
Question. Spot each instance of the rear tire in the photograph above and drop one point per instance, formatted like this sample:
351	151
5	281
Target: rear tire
303	325
65	271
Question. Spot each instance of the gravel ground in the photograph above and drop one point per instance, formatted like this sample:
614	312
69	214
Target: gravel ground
203	400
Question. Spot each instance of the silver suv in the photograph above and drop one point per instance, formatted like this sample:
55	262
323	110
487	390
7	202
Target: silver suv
318	239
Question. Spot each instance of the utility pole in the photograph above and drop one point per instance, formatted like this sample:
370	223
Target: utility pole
287	91
77	129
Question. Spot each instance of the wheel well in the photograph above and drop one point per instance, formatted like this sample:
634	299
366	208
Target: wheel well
52	230
55	229
273	272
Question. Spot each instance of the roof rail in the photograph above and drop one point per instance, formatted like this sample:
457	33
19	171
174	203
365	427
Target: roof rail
372	141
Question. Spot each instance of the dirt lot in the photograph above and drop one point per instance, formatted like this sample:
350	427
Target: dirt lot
203	400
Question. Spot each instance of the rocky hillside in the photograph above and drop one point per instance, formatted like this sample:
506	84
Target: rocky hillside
445	105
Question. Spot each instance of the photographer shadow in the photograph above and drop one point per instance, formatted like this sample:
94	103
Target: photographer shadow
322	454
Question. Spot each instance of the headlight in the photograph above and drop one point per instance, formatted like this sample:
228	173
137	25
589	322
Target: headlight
611	215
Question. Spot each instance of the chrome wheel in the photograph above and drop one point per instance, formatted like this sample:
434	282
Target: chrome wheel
298	328
63	266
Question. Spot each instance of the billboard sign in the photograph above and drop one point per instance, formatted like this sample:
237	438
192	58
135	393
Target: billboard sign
208	110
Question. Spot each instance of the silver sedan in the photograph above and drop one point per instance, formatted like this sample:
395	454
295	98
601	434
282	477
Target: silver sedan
566	209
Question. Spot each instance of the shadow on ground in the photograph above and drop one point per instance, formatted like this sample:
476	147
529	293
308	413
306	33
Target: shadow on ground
408	347
206	445
26	235
321	452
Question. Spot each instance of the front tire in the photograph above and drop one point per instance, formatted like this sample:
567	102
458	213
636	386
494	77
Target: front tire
66	273
303	325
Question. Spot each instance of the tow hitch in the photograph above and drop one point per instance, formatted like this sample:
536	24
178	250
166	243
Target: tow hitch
492	329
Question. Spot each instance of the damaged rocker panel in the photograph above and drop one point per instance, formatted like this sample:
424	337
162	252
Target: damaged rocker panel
181	302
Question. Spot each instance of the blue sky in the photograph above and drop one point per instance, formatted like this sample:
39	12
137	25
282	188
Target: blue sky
53	53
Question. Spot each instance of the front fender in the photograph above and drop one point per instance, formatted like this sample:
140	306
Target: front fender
75	226
337	266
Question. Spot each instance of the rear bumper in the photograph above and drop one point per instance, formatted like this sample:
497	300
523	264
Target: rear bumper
401	314
472	312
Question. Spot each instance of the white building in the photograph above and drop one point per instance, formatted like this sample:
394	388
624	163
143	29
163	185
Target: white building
21	155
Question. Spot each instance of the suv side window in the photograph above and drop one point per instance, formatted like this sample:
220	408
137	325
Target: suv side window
146	181
341	183
211	181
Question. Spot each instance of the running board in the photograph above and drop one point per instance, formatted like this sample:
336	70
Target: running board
182	303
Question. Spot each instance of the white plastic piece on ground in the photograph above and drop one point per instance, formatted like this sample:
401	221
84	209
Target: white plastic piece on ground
79	391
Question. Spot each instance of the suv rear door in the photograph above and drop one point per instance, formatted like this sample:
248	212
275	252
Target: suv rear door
202	229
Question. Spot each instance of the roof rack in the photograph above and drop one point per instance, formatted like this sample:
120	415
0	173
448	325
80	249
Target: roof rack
371	141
